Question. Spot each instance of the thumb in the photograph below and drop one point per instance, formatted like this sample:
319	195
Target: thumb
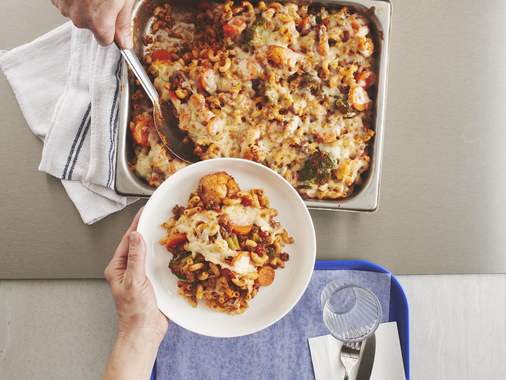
136	256
123	33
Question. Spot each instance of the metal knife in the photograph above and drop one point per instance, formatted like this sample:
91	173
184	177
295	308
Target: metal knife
366	363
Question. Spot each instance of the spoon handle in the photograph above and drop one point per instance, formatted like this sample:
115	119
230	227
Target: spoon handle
139	72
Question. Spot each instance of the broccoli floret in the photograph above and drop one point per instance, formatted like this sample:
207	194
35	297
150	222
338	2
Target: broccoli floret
249	33
344	107
317	167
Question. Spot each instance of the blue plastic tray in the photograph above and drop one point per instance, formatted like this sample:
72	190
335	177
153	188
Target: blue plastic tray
399	308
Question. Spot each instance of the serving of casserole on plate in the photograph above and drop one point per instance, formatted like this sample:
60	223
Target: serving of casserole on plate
293	87
230	246
225	244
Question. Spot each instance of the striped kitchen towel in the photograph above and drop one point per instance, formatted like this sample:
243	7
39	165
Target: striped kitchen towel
68	88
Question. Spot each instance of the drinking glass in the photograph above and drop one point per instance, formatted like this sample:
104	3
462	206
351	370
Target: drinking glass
350	312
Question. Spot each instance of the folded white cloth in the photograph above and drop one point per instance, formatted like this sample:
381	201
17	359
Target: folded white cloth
388	364
68	89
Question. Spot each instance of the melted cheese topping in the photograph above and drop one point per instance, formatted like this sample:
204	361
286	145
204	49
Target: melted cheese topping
286	83
199	228
245	216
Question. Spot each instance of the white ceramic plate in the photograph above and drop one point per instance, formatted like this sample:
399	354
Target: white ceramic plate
272	302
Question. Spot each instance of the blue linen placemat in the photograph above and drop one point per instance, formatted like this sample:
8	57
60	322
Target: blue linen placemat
278	352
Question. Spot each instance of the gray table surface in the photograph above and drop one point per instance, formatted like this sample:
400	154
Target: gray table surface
51	329
442	206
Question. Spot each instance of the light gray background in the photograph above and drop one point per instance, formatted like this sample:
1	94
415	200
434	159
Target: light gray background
443	199
64	329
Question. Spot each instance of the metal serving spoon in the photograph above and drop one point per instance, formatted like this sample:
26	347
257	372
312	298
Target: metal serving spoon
166	123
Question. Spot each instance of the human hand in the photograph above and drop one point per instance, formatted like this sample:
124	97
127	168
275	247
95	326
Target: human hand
109	20
138	313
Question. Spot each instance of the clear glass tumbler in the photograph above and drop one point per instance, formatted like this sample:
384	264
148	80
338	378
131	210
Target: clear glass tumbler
350	312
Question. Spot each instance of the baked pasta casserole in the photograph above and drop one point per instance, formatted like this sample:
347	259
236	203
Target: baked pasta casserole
289	86
225	244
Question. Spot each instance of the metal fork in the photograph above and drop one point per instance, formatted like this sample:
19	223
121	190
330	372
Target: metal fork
350	354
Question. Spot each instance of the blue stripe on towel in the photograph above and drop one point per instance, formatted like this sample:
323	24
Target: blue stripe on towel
76	139
84	134
113	123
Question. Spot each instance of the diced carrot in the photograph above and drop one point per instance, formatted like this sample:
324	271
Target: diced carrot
175	239
266	276
140	135
161	55
229	30
355	25
366	78
234	27
241	230
140	127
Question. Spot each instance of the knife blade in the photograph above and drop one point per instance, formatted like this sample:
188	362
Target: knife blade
366	363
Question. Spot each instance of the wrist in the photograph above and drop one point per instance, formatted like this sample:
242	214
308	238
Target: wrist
134	354
140	334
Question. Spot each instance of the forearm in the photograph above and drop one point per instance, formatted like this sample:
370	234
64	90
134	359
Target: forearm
141	326
133	356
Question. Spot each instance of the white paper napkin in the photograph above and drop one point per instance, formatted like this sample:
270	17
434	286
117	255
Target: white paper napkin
388	364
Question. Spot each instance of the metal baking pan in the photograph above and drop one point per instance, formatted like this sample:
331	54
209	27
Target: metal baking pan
366	196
